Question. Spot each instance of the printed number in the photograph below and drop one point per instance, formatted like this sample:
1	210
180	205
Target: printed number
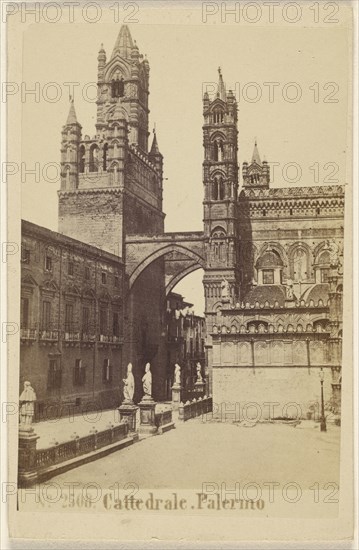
329	498
335	9
334	171
135	9
329	98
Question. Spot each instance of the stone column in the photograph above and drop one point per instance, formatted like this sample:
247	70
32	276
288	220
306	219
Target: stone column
147	416
128	412
176	396
27	455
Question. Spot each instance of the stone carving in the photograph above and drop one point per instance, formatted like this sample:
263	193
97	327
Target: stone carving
289	290
129	385
334	250
147	381
225	289
177	375
199	374
27	406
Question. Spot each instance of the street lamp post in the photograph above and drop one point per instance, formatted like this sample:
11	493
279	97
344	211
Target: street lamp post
323	424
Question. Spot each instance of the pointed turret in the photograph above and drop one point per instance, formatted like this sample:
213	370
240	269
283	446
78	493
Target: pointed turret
124	43
72	118
221	93
155	156
256	174
255	157
154	147
71	137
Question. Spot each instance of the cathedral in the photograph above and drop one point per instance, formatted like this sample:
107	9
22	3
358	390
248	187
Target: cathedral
94	294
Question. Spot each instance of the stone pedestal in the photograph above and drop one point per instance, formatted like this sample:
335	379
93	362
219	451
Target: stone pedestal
176	396
199	388
147	416
128	411
27	455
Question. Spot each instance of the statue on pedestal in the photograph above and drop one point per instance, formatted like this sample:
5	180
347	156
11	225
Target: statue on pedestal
27	406
199	374
147	382
129	385
225	289
177	375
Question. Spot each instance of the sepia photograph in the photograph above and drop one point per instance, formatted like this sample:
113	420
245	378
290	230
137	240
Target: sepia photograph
178	252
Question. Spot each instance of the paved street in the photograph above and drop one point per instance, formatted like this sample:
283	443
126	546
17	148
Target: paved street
197	452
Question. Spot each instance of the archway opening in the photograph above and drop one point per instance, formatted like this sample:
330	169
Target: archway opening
186	333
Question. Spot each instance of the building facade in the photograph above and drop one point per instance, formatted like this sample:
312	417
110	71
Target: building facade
71	326
274	278
186	335
272	260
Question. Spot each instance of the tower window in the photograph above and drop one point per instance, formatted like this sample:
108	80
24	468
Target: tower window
118	87
218	150
104	157
71	268
48	263
217	117
82	153
87	273
103	278
93	167
264	212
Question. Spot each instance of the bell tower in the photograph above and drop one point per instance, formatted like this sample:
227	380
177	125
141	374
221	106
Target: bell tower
220	181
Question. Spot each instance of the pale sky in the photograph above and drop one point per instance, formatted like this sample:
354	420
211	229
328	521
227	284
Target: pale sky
182	59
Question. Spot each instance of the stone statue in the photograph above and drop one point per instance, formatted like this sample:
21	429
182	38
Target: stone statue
333	249
177	374
147	381
225	290
129	385
199	374
289	289
27	406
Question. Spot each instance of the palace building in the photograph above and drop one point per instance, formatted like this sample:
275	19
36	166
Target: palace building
95	294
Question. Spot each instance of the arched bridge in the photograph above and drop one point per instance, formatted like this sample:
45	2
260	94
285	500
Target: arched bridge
182	252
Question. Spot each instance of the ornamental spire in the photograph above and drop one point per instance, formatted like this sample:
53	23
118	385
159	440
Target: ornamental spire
124	43
221	93
255	157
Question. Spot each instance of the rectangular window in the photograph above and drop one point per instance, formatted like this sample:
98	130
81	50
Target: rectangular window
79	373
116	324
117	282
46	315
268	276
69	316
107	371
324	274
71	268
103	321
54	375
25	255
86	320
48	263
87	273
24	313
103	278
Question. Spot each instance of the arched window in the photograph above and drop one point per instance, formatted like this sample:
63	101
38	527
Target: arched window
82	154
104	156
322	268
218	116
218	150
93	167
299	264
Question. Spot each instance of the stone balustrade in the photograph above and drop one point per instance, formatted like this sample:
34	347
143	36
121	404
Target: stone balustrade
196	407
37	464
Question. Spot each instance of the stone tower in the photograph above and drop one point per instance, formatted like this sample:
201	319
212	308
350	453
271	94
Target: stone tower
220	180
110	185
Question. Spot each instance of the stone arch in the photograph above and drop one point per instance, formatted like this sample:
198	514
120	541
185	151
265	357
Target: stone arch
199	260
276	247
299	269
190	269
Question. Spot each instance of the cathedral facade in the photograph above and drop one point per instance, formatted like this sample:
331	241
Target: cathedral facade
272	257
